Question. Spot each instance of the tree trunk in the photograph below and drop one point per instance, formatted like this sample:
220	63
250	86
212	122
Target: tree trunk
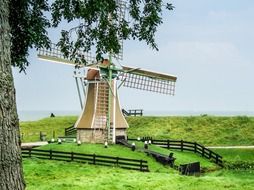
11	172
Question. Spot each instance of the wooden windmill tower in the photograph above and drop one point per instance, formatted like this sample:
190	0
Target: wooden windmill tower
101	119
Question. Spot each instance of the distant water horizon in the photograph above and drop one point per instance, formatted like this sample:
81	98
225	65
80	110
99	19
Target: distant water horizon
33	115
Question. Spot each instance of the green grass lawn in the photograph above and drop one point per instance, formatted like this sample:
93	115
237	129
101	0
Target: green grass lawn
58	175
121	151
112	150
207	130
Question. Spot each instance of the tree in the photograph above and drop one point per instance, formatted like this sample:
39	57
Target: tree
23	25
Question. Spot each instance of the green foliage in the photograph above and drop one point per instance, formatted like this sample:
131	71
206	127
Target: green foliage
28	29
102	26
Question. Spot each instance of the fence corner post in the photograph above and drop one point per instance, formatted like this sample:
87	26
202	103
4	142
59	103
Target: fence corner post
141	165
117	160
72	158
50	154
94	156
30	152
217	159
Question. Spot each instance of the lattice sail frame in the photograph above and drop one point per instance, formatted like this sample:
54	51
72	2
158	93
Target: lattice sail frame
121	15
54	54
147	80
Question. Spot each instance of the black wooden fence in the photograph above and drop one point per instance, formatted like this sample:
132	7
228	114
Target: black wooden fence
70	131
134	112
187	146
125	163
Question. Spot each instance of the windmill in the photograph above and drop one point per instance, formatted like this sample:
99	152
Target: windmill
101	119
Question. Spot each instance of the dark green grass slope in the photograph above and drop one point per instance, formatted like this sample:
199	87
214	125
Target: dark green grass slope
207	130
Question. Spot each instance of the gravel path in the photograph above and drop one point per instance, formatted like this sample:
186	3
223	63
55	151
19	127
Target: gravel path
34	144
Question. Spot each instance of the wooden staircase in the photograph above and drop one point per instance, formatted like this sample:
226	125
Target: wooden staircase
101	113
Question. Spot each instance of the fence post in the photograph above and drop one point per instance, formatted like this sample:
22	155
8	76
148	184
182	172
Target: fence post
72	156
210	154
141	165
195	147
203	151
168	143
117	160
94	156
181	145
217	159
50	154
30	150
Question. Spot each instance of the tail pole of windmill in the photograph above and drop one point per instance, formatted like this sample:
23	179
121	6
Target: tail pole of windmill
101	119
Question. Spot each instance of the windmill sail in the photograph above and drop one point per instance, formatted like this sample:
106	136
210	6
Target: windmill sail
148	80
54	54
121	7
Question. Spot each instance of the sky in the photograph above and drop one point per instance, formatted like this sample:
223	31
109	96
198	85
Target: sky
207	44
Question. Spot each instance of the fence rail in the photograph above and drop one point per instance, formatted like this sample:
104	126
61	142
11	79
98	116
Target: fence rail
187	146
70	131
134	112
125	163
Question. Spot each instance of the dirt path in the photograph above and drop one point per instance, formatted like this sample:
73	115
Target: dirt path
34	144
231	147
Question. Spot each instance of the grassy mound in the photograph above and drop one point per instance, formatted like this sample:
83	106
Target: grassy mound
207	130
30	130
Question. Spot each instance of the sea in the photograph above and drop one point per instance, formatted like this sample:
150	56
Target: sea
33	115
